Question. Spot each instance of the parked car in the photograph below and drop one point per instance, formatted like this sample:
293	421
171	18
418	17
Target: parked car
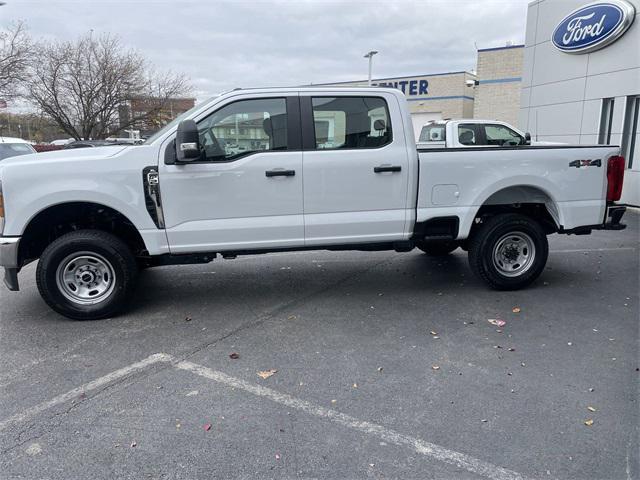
61	142
88	143
95	216
13	147
468	133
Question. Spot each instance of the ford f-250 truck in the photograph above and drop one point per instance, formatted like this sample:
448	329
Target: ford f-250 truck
264	170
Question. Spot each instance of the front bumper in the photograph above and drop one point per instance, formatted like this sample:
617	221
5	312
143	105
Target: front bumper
9	260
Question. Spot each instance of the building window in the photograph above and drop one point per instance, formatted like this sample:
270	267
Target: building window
630	130
606	121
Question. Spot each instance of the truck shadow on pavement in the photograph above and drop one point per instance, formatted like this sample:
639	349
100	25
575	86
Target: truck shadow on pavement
276	282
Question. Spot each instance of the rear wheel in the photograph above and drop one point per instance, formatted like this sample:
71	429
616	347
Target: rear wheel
439	248
508	251
86	275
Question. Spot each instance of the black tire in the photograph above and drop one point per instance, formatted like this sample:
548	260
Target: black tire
492	238
438	249
57	274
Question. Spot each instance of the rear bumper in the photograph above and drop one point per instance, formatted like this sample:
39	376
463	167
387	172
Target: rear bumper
9	260
613	217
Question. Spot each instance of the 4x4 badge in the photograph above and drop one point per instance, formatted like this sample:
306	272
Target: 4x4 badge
586	163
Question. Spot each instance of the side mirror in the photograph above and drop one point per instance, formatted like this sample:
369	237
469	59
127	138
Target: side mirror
527	138
187	141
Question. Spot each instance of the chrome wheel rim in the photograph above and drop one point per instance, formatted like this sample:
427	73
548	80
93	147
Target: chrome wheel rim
514	254
85	278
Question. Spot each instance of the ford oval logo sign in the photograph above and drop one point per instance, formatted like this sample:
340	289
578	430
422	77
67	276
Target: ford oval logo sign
593	26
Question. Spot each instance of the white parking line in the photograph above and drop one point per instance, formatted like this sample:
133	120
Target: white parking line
427	449
87	387
580	250
431	450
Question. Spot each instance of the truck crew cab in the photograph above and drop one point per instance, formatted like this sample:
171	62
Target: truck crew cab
473	133
264	170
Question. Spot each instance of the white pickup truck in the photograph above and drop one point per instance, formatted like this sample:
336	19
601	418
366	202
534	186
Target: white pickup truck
264	170
473	133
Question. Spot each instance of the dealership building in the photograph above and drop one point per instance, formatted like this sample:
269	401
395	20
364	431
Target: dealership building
581	77
493	92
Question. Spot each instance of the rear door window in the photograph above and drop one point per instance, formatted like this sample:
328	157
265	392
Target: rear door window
467	135
350	122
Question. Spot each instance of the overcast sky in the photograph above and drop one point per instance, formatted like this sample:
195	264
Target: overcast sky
227	44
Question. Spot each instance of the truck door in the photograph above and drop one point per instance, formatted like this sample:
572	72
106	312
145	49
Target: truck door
355	168
245	192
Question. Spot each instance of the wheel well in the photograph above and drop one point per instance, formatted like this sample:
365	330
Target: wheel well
525	200
60	219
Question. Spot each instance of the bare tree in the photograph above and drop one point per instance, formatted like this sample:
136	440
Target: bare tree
85	85
15	54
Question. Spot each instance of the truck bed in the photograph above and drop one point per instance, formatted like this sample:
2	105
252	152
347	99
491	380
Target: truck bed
570	179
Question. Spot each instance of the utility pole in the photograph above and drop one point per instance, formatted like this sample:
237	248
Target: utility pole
370	55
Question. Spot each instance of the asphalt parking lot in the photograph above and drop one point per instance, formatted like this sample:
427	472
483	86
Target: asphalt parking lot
387	367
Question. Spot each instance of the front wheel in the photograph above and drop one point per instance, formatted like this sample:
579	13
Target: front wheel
508	251
86	275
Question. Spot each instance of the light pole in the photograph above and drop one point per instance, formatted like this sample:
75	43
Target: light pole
370	57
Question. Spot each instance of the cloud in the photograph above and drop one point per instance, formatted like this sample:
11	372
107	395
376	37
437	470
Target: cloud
227	44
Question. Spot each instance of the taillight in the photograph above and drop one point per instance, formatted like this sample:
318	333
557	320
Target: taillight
615	177
1	210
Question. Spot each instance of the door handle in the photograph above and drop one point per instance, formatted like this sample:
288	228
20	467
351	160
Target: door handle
280	173
391	168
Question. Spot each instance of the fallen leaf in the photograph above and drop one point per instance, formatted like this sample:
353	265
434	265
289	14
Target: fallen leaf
496	322
234	356
267	373
588	423
516	310
591	409
435	367
207	427
34	449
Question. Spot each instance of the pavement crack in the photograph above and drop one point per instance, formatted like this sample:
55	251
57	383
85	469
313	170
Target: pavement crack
282	308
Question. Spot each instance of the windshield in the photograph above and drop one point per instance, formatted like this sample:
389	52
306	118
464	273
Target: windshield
174	122
432	133
14	149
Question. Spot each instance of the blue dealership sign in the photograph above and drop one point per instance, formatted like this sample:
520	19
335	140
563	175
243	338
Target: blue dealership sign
593	26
